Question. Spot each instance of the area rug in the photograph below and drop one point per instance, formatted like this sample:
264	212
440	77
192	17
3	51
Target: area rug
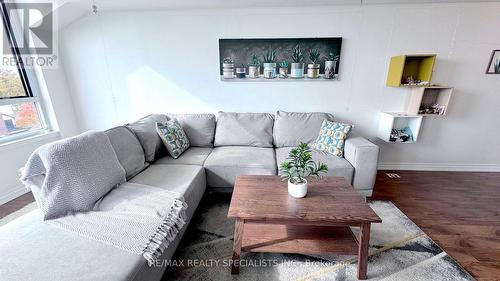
399	250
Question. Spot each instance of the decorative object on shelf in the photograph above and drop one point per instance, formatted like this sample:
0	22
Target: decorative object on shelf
283	69
241	71
297	68
269	64
297	167
410	70
254	67
296	51
399	127
330	65
401	135
314	66
228	68
428	101
494	64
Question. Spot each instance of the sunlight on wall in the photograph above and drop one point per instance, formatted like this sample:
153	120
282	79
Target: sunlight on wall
150	92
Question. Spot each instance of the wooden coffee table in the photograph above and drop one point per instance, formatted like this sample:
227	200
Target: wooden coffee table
269	220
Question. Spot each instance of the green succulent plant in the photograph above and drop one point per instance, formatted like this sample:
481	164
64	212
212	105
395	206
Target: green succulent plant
254	60
332	57
497	66
284	64
228	60
270	56
297	55
299	164
314	56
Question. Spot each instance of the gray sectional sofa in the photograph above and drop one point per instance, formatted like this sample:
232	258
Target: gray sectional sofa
238	143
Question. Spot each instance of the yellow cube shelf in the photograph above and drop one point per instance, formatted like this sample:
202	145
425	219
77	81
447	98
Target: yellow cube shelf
419	67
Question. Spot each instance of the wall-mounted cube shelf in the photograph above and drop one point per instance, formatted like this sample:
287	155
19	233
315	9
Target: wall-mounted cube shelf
392	123
419	67
428	101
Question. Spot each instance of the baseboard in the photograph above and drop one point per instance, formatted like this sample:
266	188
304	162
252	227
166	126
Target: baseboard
12	193
440	167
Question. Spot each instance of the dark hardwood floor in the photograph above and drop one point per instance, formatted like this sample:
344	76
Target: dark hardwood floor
458	210
16	204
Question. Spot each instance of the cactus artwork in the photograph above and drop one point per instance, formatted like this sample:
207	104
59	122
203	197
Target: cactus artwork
314	56
297	55
269	56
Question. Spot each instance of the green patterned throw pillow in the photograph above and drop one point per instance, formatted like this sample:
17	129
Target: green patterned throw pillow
331	138
173	137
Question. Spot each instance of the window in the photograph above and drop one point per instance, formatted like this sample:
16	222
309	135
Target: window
20	111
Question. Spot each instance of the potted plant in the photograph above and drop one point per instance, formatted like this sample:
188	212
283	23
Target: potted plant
283	69
269	64
297	167
313	67
330	65
241	71
254	67
228	68
297	65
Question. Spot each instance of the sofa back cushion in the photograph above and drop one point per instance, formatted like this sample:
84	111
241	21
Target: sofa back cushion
145	130
291	128
128	150
199	128
244	129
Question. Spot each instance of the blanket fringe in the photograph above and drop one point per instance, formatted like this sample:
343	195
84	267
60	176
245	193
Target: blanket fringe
166	232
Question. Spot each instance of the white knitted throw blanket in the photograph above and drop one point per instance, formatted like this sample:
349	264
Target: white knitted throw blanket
137	218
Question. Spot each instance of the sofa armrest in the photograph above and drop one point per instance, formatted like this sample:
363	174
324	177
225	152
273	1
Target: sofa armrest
363	156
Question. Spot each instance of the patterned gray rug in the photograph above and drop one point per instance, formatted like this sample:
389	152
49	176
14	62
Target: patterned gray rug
399	250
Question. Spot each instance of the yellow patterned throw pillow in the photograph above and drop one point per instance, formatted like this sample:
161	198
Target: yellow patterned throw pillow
331	138
173	137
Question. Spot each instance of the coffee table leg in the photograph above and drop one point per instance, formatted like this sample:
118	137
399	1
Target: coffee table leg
364	241
238	238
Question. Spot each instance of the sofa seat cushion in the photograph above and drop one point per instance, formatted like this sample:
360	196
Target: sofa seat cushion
244	129
40	251
226	162
338	167
192	156
28	240
188	180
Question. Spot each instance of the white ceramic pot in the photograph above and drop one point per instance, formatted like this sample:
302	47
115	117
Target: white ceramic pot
297	190
330	67
253	71
228	70
297	70
313	70
269	70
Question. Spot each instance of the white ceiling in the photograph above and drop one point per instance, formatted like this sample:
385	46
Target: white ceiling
71	10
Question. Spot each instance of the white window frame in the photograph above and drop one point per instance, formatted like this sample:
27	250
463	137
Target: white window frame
28	78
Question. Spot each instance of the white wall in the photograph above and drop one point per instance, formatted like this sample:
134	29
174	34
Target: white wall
123	65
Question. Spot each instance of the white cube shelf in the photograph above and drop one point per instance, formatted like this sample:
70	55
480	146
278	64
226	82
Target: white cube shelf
428	101
398	121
